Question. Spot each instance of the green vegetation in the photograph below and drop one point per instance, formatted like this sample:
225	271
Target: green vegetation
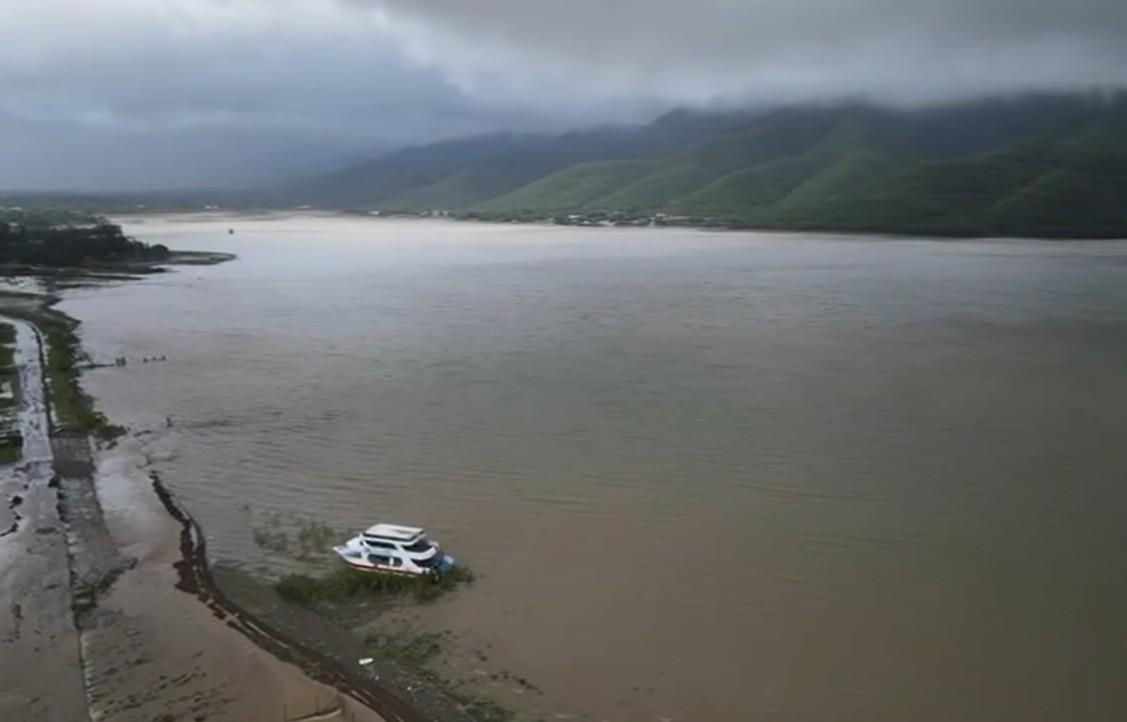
295	537
486	710
11	442
459	174
1038	165
9	373
579	186
413	650
10	452
461	189
658	189
417	651
52	237
345	584
7	348
73	409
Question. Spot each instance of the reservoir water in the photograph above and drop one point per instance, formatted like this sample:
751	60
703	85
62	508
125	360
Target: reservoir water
700	476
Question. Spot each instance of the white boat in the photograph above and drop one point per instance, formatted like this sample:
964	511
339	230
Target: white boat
394	549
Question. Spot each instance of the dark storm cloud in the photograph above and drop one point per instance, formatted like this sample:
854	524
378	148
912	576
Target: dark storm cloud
209	93
900	50
228	92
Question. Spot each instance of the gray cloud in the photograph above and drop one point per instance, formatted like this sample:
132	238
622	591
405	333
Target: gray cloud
692	51
129	94
132	93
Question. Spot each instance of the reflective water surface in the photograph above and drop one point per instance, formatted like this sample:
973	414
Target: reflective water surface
701	476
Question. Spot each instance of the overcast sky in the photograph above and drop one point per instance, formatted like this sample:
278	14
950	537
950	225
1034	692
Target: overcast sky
205	93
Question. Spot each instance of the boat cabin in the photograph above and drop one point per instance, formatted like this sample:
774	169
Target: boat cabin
405	538
393	548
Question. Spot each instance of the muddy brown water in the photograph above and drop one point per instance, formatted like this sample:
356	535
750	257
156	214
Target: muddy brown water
701	476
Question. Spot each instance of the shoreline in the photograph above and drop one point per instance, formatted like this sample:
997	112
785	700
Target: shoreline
121	271
195	578
41	660
552	221
96	564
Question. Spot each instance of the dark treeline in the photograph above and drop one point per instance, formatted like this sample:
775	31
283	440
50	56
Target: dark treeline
60	238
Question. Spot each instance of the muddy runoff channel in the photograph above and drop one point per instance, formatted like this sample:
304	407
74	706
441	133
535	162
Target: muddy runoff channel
109	611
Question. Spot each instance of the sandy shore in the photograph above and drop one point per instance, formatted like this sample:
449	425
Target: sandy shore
92	622
151	649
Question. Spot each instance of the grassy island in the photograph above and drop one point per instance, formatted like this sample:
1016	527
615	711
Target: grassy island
64	238
344	584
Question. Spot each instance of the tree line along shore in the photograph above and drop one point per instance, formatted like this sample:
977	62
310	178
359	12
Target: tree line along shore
57	238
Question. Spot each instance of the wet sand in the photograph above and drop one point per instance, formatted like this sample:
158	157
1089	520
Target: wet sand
40	663
152	649
93	624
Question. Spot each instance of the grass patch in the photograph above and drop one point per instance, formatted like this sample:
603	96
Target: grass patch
416	651
73	408
292	536
346	583
7	346
11	450
11	442
413	650
486	710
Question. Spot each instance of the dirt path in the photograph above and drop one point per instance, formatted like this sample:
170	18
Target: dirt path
40	661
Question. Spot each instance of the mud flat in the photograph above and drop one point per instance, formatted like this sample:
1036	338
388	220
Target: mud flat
152	650
40	662
94	619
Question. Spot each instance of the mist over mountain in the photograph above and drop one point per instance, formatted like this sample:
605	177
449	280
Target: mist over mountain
1041	165
124	94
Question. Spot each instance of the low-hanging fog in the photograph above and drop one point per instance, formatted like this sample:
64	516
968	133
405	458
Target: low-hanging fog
131	94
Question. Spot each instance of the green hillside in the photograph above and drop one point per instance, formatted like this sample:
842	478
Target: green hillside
746	192
659	188
838	179
1040	165
456	174
1073	186
460	189
580	186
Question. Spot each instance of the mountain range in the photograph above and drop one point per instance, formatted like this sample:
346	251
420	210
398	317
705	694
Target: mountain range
1030	165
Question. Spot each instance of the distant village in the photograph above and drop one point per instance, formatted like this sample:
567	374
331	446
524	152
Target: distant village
576	218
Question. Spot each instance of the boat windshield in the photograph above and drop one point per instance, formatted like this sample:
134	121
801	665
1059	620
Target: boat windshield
421	544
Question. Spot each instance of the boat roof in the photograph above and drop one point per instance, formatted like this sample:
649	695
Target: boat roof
394	531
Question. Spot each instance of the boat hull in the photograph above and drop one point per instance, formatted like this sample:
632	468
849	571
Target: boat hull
359	561
380	569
